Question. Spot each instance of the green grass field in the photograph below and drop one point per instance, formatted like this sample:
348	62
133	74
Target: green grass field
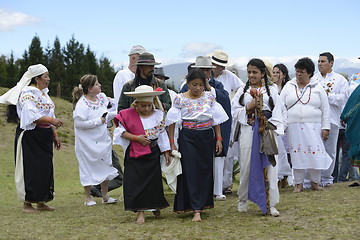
331	214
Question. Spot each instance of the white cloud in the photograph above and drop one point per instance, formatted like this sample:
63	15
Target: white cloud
194	49
10	20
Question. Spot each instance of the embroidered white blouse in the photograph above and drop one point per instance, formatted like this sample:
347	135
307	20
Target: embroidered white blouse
203	108
278	115
34	104
154	127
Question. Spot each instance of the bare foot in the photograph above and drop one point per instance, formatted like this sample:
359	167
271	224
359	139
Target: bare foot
141	217
157	213
28	208
316	187
197	217
44	207
298	188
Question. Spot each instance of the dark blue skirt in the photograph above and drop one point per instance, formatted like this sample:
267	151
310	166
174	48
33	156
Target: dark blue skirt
195	185
38	173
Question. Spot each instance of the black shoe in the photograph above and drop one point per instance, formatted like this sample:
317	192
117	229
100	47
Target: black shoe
354	184
95	192
227	191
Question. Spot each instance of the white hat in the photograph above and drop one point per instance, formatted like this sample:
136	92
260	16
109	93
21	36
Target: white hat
203	62
137	49
219	57
11	96
145	93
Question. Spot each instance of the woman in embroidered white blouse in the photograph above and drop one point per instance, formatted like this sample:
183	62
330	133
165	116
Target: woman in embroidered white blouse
93	146
308	118
35	135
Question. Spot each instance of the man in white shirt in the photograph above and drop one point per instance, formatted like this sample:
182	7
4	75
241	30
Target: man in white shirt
223	166
335	86
127	73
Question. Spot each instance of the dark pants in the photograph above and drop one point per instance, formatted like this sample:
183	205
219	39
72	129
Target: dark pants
114	183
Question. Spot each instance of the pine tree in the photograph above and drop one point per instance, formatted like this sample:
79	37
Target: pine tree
36	54
106	74
89	65
56	68
73	58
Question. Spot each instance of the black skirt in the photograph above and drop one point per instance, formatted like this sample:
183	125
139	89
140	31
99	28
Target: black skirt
35	179
143	187
195	185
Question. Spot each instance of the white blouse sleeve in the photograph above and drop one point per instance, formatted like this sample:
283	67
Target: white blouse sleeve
325	108
279	112
174	113
80	118
238	111
29	113
163	141
118	139
218	113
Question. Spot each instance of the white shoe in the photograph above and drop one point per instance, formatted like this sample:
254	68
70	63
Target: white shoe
274	212
110	200
220	197
243	206
90	203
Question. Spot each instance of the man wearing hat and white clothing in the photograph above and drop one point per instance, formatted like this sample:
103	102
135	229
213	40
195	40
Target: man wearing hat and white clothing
127	73
144	75
222	97
231	84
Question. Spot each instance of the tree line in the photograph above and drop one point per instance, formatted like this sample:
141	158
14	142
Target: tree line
66	66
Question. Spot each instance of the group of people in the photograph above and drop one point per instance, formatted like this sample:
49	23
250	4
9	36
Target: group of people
281	130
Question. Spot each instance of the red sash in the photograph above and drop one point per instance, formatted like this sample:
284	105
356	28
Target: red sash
130	120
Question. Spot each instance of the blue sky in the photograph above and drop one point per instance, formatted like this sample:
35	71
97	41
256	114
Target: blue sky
178	31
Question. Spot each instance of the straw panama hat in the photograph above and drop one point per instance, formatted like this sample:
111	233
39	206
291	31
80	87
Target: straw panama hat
203	62
220	57
144	93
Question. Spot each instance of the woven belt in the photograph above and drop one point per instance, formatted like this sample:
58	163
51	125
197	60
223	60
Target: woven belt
198	125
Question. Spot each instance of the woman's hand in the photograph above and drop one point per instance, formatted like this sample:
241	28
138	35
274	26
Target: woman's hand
142	139
57	142
173	146
252	104
218	147
167	155
325	134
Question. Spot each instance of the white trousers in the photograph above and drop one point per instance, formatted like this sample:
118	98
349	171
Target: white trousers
330	147
228	171
245	154
218	175
299	175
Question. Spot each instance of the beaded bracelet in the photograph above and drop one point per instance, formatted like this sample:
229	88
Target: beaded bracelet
171	140
219	138
134	138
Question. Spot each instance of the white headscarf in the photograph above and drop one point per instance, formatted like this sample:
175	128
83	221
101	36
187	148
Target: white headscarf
11	96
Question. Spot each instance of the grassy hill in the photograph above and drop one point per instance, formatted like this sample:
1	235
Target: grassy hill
331	214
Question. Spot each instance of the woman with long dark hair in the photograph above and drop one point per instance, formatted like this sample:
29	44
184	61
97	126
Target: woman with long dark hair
255	106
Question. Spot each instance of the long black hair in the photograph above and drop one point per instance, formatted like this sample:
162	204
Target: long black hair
261	66
285	71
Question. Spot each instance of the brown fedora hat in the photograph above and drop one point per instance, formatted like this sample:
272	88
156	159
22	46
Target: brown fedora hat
146	59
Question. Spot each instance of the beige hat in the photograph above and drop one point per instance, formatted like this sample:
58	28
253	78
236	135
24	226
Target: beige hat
11	96
219	57
145	93
203	62
137	49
